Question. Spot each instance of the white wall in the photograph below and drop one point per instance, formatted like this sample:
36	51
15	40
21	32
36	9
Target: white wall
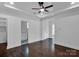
34	31
14	30
47	28
67	31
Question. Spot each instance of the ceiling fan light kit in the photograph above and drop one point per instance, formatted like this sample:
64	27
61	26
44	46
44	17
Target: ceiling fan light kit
41	14
42	11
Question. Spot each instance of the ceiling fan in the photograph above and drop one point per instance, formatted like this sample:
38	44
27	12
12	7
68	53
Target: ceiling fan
42	7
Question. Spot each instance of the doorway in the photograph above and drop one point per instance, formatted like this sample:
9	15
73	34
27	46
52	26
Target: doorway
24	33
3	36
24	38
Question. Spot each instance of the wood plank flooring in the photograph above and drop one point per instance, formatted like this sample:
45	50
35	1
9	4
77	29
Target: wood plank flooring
62	51
38	49
3	51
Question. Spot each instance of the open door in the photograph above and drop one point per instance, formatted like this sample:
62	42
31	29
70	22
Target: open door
24	37
24	33
3	36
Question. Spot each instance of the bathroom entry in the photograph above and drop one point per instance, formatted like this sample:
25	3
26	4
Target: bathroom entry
24	38
24	32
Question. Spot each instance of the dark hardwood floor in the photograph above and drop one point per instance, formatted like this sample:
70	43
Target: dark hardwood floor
38	49
41	49
3	51
62	51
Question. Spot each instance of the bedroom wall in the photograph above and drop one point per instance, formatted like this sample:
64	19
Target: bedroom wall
67	31
14	30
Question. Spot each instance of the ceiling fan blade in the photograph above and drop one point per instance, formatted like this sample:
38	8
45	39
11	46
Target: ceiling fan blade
46	10
36	8
48	6
39	11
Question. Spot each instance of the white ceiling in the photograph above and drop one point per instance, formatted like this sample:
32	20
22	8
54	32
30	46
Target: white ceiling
26	8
